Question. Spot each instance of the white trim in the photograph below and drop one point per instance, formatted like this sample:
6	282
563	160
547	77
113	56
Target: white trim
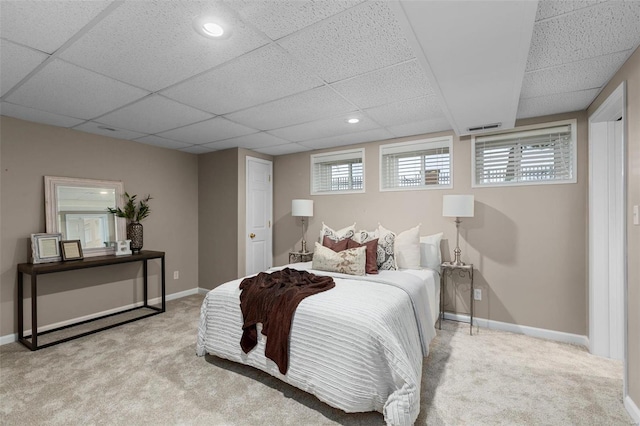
349	153
632	409
558	336
10	338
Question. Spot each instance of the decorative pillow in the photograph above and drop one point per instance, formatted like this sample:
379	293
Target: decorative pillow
371	265
407	249
335	245
340	234
363	236
350	261
430	255
386	252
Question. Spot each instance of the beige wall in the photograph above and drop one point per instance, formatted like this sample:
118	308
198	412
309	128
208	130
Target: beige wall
222	189
30	151
630	72
218	217
530	264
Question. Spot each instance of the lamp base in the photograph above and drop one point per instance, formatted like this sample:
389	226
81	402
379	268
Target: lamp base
304	247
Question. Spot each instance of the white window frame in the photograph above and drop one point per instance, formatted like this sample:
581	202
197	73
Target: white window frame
417	145
574	162
336	156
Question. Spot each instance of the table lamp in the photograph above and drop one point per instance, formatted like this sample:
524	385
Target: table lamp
303	209
457	206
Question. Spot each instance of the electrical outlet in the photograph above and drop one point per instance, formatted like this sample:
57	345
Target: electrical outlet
176	275
477	294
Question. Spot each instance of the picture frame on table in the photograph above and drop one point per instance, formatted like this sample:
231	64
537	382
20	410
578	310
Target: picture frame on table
45	248
71	250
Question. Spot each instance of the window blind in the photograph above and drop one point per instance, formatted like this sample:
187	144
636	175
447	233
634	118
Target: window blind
341	171
539	155
416	165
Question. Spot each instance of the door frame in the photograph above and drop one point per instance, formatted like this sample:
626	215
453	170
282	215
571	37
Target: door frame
600	313
246	210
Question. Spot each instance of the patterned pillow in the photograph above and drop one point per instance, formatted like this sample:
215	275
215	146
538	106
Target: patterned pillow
386	253
350	261
340	234
362	236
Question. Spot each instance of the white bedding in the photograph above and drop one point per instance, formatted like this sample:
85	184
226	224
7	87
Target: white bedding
358	347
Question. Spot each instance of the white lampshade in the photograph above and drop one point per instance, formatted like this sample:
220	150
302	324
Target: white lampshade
302	208
457	205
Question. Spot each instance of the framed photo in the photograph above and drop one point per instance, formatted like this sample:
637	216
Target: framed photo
45	248
71	249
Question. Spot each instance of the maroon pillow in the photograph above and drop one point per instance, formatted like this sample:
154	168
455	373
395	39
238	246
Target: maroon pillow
335	245
371	266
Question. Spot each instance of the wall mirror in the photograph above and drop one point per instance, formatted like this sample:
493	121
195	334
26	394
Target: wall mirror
77	208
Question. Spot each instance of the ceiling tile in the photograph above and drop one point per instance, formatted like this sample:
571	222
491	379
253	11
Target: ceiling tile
62	88
588	74
104	130
302	107
290	148
350	139
420	127
253	141
46	25
162	142
15	63
550	8
197	149
152	44
418	109
263	75
212	130
154	114
599	30
556	103
327	127
30	114
392	84
278	19
362	39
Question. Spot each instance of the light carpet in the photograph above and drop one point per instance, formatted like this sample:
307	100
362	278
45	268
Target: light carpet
147	372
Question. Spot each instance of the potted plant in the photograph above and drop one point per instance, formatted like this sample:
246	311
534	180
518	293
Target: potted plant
134	212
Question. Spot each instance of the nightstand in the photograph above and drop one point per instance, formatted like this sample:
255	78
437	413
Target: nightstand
298	256
448	269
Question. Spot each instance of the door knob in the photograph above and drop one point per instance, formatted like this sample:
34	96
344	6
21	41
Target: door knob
252	235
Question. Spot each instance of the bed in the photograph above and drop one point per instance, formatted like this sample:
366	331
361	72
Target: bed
358	347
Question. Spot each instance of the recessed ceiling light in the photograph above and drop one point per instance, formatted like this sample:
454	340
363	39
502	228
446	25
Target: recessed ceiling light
212	29
353	120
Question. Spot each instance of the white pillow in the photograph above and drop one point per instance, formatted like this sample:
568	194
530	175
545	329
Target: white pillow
407	249
350	261
430	255
340	234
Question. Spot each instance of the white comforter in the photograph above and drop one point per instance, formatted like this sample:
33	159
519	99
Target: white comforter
358	347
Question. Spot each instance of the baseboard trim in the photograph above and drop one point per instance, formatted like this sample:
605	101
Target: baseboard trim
558	336
203	291
10	338
632	409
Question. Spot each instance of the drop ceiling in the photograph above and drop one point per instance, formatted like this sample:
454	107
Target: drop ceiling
291	73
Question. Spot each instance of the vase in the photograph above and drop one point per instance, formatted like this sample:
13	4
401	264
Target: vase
134	233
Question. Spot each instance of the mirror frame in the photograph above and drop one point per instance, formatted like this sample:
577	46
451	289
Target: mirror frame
51	184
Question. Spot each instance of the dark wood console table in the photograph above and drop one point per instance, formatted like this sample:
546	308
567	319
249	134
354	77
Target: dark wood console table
91	262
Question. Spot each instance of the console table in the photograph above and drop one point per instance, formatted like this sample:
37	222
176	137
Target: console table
34	270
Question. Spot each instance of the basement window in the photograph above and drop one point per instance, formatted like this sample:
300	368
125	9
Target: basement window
530	155
421	164
338	172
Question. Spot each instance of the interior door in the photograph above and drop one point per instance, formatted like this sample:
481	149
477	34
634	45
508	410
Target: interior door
259	215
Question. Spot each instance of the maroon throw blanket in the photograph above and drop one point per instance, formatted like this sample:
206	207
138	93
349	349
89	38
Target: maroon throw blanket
272	299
